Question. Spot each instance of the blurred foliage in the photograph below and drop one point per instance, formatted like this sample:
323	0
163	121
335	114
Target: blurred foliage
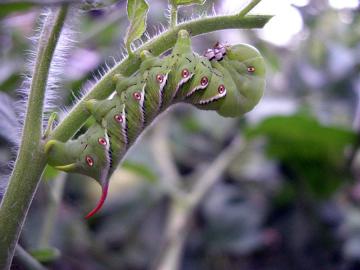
46	255
308	151
7	8
289	201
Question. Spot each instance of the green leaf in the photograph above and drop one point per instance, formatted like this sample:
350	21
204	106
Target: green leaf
137	12
187	2
46	255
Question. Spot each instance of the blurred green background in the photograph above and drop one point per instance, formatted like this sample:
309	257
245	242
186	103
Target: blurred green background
288	198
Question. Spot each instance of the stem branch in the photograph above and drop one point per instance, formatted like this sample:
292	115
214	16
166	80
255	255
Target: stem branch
31	158
170	180
173	16
56	188
182	209
248	8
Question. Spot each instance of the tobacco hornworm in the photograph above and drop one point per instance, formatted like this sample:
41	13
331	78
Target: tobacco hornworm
227	79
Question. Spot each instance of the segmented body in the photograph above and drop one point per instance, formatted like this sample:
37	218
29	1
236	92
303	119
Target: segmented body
229	80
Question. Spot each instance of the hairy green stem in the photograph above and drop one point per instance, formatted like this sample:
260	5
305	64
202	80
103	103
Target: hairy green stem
106	85
31	158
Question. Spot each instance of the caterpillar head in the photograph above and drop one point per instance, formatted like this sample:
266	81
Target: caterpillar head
89	154
244	78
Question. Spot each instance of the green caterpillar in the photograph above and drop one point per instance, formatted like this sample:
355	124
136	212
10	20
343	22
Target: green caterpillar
229	80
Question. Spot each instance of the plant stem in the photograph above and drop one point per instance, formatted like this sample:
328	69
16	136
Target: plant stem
212	174
175	236
27	260
182	209
170	180
248	8
173	16
106	85
31	158
56	188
